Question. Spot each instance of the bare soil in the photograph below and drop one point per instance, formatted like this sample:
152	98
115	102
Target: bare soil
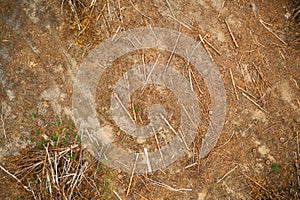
255	45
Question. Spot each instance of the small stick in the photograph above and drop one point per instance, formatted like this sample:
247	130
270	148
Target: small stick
170	126
50	163
224	176
108	10
227	141
3	123
191	165
117	195
150	73
186	112
260	73
211	46
18	180
170	8
181	23
293	80
158	146
268	29
135	38
298	150
191	82
139	11
131	177
221	9
247	97
231	34
197	84
233	84
202	41
147	160
119	100
120	12
185	144
117	31
174	48
101	13
167	186
256	183
140	195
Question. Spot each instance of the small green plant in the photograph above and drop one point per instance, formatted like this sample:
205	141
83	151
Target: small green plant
72	155
41	144
54	137
275	167
136	108
33	115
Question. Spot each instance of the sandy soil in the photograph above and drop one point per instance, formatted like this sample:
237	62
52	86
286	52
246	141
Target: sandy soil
255	45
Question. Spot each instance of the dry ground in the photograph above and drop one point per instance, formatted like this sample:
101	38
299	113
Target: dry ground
255	45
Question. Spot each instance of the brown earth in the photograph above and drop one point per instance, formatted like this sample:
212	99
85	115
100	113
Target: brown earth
43	43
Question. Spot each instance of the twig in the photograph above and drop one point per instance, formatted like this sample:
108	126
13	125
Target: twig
174	48
147	160
260	73
203	43
18	180
211	46
117	31
158	146
296	163
150	73
3	123
125	109
131	177
227	141
140	11
170	126
190	118
231	34
262	187
117	195
247	97
233	84
170	8
108	10
224	176
268	29
191	165
167	186
197	84
190	79
221	9
181	23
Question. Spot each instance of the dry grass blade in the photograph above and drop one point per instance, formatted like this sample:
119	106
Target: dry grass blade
19	181
270	31
139	11
3	123
54	172
161	184
231	34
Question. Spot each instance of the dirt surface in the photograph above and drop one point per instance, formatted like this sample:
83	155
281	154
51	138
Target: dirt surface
255	45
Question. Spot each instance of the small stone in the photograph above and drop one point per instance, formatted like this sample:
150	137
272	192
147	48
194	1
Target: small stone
282	140
268	162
